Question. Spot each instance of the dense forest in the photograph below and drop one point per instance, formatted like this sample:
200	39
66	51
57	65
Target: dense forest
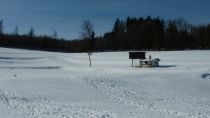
130	34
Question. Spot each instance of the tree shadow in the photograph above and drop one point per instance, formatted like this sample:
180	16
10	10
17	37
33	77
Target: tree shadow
15	53
160	66
41	67
166	66
24	58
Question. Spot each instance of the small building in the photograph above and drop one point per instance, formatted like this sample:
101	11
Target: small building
144	62
149	62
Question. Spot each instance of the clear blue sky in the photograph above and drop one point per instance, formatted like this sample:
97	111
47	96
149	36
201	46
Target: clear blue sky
66	16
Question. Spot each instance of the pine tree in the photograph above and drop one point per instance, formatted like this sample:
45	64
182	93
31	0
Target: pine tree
1	27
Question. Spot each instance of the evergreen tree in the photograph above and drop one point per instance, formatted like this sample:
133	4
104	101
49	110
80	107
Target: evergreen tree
118	36
31	32
172	36
16	30
1	27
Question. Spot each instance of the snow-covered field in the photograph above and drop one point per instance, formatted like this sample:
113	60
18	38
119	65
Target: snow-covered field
35	84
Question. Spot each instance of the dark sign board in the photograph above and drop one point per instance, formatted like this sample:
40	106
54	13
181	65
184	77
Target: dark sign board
137	55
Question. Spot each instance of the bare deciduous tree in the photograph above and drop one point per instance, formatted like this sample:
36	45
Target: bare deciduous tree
88	34
87	29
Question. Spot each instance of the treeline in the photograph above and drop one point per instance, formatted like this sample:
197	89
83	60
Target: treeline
42	42
130	34
156	34
46	43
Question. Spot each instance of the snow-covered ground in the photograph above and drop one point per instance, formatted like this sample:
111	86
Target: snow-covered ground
35	84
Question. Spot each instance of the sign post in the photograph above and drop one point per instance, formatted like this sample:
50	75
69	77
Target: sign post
136	55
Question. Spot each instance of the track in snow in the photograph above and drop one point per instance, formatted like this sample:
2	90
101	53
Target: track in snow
119	92
44	108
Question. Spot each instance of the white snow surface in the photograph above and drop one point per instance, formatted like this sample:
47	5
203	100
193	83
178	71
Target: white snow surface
36	84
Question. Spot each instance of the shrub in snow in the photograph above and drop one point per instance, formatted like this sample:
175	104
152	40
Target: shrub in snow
206	75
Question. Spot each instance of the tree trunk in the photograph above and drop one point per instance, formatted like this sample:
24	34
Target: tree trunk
89	58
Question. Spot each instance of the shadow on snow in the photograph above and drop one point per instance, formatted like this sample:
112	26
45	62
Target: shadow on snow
47	67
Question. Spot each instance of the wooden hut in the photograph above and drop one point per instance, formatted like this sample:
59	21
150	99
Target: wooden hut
144	62
149	62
